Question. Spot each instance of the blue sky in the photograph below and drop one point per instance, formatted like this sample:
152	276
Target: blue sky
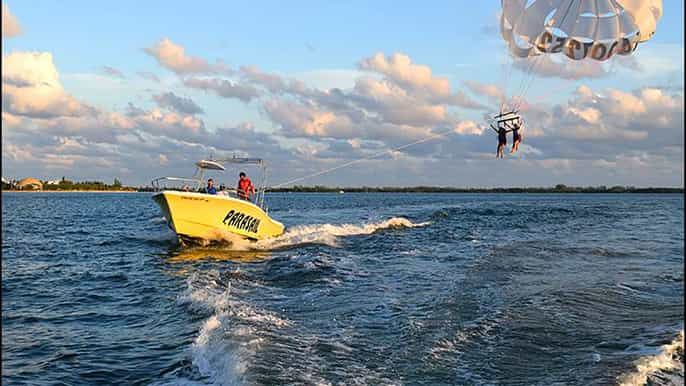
322	44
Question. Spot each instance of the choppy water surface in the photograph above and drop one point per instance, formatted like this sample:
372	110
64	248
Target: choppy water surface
362	289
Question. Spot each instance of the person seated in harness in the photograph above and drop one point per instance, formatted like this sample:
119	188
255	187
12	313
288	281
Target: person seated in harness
502	139
511	123
245	187
516	136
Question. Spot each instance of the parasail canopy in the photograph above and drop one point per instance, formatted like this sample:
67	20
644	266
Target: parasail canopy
579	29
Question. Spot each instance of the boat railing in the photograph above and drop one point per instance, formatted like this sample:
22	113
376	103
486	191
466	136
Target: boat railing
156	182
217	164
197	188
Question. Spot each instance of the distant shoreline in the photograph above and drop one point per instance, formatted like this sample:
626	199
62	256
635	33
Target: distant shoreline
71	191
319	189
434	189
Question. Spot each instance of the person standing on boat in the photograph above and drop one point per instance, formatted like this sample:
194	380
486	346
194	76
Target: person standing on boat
245	187
210	187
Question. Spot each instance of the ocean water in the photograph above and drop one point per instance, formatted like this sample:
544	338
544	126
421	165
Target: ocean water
363	289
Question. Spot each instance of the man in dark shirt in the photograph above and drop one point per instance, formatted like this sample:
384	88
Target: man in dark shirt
502	140
210	187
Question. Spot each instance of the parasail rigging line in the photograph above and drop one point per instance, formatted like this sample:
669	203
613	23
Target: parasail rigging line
529	81
349	163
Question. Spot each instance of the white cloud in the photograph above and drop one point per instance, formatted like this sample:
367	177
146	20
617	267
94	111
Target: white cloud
31	87
592	137
173	57
489	90
560	66
176	103
10	24
223	88
469	128
400	68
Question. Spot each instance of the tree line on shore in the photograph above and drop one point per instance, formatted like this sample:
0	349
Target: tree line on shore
65	184
560	188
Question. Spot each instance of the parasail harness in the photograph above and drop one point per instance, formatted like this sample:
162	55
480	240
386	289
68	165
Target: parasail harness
510	120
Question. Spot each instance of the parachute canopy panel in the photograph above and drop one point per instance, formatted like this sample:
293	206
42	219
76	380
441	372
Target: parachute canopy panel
579	29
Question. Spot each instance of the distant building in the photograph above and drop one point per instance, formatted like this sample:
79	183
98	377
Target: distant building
53	182
30	184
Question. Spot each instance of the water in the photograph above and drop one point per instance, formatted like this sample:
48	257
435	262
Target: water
417	289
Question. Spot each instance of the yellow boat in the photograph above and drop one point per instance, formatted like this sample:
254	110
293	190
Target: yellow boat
195	216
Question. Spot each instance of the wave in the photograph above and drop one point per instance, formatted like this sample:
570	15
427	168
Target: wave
671	357
230	337
323	234
158	220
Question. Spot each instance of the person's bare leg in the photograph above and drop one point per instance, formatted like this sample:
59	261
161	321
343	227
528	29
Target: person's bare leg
515	147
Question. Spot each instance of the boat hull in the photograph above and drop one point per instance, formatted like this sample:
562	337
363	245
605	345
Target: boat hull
204	216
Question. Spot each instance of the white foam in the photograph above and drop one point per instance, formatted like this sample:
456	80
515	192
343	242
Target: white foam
229	338
327	234
324	234
179	382
158	220
206	293
665	360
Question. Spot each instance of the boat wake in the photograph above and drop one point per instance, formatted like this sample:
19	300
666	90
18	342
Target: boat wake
324	234
230	336
665	368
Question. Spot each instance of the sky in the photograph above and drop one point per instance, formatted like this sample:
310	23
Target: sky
136	90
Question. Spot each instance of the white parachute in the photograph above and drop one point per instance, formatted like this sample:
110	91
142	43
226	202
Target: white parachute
579	29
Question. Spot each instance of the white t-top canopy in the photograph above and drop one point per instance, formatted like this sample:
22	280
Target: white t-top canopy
209	164
217	164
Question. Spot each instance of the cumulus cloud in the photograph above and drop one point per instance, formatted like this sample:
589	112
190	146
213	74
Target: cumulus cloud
223	88
416	78
594	134
469	127
619	115
560	66
272	82
10	24
40	118
173	57
397	105
183	105
406	101
299	120
167	123
400	68
491	91
31	87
